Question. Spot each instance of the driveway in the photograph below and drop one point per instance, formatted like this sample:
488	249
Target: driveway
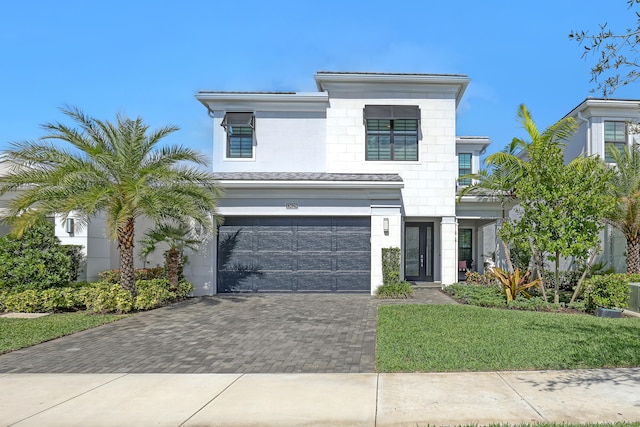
256	333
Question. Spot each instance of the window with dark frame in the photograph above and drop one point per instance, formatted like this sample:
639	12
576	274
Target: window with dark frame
465	251
240	129
392	132
464	168
615	134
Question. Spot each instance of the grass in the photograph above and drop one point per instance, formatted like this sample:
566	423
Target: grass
443	338
19	333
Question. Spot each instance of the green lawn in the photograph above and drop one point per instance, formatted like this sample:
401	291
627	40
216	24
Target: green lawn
20	333
440	338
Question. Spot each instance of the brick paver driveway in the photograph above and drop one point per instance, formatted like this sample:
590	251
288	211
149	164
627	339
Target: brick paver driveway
228	334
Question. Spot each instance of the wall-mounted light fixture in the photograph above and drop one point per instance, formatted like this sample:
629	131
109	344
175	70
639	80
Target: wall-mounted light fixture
385	226
69	225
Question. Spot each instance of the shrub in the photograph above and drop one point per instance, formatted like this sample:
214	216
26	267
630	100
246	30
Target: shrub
390	266
608	291
152	294
107	298
531	304
567	280
113	276
475	278
184	289
482	296
26	301
514	284
395	290
77	258
36	260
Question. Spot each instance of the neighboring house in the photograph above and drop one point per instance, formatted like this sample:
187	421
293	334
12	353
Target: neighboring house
318	183
604	122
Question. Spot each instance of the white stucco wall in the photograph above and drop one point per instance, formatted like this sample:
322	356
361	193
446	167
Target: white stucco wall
285	141
429	182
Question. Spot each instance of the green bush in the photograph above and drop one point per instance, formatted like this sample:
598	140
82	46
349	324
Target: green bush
113	276
567	280
531	304
107	298
482	296
608	291
184	289
390	266
77	258
395	290
475	278
152	294
36	260
96	297
26	301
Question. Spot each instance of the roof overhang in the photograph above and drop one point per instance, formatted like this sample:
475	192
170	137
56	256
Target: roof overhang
277	101
398	82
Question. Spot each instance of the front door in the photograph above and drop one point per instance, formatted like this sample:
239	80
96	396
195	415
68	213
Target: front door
418	252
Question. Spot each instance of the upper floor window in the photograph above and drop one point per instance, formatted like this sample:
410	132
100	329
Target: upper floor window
615	135
240	128
464	168
392	132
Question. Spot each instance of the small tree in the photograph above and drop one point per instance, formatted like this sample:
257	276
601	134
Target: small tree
562	206
178	237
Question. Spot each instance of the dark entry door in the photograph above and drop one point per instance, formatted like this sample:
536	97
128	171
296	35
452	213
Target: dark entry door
418	252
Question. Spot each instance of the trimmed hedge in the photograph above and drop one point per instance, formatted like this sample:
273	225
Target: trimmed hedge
98	297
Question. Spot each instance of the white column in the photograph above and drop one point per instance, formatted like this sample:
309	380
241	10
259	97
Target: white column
381	238
449	250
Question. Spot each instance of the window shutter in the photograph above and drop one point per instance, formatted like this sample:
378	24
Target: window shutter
391	112
237	119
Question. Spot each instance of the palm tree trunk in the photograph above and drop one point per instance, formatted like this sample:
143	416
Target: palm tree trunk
633	255
173	260
125	246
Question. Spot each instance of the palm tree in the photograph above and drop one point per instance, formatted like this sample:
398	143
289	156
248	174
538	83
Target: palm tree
625	186
115	169
498	182
178	237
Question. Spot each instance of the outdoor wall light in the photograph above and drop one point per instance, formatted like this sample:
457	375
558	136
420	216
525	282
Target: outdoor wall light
69	225
385	226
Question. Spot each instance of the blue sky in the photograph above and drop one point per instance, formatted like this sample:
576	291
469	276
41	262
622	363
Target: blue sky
149	58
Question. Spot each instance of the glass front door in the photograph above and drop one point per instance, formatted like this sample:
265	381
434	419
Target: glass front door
418	252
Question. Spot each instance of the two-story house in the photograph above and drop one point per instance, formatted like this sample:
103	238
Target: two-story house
318	183
603	123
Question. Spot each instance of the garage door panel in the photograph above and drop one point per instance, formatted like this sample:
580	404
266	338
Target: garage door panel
353	261
274	261
274	281
275	241
314	241
283	254
352	281
353	242
315	281
317	261
235	240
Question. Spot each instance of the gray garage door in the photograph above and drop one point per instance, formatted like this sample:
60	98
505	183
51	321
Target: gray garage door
285	254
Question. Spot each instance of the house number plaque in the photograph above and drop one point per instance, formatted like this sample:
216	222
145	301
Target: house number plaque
291	206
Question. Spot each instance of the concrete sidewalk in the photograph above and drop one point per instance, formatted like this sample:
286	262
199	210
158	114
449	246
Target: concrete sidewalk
366	399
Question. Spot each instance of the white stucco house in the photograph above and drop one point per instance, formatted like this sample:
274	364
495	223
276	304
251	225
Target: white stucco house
318	183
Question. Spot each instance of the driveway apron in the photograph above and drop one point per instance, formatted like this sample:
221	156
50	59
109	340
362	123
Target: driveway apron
256	333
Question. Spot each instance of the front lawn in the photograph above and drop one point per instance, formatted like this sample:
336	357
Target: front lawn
441	338
20	333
